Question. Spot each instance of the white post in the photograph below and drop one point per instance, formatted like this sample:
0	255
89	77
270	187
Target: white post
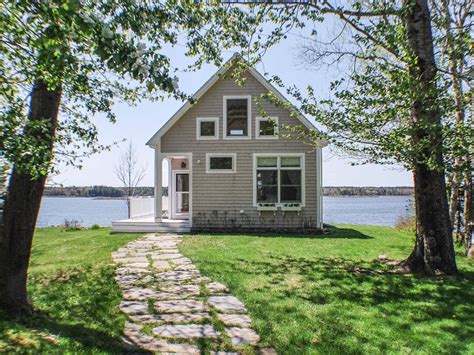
158	184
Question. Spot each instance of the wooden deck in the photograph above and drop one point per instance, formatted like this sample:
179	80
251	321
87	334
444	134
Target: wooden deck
148	225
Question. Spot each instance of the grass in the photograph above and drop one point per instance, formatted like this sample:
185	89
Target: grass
329	294
72	287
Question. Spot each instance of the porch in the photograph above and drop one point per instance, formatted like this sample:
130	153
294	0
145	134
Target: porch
167	211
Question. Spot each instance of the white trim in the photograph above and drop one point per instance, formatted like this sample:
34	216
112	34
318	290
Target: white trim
207	119
259	119
249	116
158	169
278	156
207	85
173	213
319	187
221	155
188	156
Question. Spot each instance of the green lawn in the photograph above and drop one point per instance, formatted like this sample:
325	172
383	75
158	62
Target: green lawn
306	294
328	294
72	287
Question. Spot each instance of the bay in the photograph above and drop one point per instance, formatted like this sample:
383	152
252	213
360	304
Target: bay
381	210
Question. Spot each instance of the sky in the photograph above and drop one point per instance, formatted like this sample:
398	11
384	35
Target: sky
139	123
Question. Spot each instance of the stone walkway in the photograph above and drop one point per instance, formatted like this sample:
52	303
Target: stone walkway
172	308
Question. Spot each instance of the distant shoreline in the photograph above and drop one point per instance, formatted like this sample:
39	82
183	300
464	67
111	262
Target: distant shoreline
117	193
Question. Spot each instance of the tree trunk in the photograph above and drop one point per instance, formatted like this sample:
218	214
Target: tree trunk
434	250
467	212
23	202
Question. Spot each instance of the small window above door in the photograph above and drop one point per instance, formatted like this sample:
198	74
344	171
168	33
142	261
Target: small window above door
207	128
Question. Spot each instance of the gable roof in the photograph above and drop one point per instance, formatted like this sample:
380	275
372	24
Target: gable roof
208	84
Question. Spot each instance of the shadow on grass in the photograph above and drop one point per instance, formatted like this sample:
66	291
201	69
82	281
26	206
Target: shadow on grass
77	310
331	232
427	314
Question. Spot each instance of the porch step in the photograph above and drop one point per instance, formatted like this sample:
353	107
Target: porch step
137	226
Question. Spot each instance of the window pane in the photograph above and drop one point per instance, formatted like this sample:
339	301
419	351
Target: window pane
290	162
267	161
267	128
237	117
267	177
220	163
290	177
267	194
182	182
290	194
208	128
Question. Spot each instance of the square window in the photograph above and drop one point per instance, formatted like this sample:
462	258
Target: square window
237	116
267	127
279	181
207	128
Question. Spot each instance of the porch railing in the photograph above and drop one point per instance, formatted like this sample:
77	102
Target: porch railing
144	206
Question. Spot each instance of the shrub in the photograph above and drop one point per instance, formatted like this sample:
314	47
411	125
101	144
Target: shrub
95	226
72	225
406	224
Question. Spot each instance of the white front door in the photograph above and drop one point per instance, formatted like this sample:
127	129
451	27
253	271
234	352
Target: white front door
180	195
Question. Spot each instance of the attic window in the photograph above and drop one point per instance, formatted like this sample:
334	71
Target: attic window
207	128
237	120
266	128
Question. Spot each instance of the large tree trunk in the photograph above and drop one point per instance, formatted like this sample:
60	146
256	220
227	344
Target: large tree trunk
23	202
434	250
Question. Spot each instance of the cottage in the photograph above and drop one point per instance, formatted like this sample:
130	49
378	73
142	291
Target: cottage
229	169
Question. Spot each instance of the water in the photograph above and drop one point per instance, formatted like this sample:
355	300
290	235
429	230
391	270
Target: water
383	210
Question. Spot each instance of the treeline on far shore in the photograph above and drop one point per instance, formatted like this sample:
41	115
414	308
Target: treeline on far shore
117	192
98	191
367	190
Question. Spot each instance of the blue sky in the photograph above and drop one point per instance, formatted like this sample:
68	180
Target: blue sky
141	122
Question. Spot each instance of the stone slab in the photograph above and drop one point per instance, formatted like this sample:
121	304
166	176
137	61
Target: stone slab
227	304
161	265
216	287
165	256
180	306
134	307
242	336
240	320
170	318
186	331
193	289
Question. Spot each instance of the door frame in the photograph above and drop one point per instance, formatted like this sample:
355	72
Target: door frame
173	214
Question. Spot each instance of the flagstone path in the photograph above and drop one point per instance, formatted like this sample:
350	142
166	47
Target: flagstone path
172	308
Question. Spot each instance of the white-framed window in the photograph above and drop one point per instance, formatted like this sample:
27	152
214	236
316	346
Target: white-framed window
237	117
221	163
266	127
207	128
279	180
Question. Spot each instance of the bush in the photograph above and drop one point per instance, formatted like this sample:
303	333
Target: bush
72	225
406	224
95	226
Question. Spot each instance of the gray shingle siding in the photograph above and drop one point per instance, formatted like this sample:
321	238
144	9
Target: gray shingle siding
218	199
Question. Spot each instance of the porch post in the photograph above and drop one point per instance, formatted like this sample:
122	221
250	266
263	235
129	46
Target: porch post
158	184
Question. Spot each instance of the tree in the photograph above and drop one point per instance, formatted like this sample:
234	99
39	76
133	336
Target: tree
453	23
129	173
388	107
78	58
